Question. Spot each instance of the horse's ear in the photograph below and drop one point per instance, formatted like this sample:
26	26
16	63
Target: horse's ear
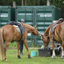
35	26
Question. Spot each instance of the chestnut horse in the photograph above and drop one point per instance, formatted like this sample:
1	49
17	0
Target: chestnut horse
9	33
57	36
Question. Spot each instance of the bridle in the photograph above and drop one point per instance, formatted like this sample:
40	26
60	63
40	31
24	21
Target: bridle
35	31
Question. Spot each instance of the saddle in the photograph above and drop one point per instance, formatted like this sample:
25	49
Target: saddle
18	29
55	25
53	28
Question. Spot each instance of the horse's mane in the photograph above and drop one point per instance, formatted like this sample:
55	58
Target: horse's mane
27	26
47	30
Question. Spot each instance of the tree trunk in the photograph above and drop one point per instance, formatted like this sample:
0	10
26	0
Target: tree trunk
48	2
14	4
22	2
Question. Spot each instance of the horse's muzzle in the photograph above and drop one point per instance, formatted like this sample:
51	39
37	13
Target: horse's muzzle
39	34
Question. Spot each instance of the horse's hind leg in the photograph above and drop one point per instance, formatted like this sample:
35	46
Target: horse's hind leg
18	50
25	43
53	51
62	48
5	48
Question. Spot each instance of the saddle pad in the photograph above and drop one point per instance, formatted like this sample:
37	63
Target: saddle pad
17	28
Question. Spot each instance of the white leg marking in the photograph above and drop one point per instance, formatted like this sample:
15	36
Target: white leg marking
62	55
53	54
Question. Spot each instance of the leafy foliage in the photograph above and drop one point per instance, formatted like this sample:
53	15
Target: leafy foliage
57	3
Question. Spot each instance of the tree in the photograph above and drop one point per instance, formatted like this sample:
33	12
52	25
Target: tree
57	3
22	2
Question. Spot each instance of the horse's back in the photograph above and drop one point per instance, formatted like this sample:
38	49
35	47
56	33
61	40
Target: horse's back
7	27
61	29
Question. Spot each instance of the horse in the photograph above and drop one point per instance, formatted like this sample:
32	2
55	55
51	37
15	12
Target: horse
9	33
57	36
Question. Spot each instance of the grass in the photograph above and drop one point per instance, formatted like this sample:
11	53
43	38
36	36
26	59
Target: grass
12	58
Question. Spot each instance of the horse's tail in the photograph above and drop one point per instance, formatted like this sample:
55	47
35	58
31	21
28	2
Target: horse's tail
2	57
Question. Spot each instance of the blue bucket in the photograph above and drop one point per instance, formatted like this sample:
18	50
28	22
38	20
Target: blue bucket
33	53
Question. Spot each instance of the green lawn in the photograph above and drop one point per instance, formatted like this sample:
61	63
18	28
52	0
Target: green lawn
12	58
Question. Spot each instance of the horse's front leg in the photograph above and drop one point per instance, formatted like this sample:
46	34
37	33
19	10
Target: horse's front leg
18	50
25	43
53	51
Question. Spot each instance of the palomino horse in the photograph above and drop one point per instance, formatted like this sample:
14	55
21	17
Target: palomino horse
57	36
9	33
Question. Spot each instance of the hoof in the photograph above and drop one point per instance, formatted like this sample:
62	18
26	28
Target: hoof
53	57
21	53
62	57
19	57
29	56
6	60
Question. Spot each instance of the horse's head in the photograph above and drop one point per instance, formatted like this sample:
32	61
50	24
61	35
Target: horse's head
45	40
35	31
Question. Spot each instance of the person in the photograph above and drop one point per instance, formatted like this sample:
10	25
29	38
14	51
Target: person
22	29
21	42
22	20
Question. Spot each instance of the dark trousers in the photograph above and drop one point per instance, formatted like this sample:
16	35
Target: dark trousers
21	47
